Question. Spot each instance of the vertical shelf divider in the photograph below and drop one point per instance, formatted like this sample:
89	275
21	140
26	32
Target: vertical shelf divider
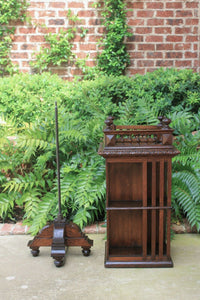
144	204
169	184
161	212
153	212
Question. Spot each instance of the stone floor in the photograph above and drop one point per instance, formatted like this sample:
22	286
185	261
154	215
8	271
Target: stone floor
24	277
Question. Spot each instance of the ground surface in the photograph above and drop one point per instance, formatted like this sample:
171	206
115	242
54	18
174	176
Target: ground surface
24	277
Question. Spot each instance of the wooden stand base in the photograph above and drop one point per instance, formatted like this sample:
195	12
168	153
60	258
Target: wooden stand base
59	235
121	261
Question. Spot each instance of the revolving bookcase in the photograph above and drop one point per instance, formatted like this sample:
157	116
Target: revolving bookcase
138	182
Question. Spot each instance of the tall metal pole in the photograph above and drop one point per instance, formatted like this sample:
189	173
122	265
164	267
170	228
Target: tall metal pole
58	162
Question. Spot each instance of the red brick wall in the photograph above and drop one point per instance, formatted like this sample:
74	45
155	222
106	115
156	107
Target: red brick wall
166	33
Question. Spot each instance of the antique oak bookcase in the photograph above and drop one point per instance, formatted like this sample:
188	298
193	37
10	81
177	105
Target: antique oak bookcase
138	181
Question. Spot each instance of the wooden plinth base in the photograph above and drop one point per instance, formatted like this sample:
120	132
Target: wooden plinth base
60	235
135	262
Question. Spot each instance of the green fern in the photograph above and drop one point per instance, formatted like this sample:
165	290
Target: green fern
6	205
46	211
185	189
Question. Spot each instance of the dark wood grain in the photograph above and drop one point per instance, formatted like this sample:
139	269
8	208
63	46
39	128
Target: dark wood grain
138	179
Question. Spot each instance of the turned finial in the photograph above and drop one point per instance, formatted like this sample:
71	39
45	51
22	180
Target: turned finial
166	122
109	123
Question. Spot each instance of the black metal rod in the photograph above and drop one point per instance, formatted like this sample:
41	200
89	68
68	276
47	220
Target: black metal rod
58	161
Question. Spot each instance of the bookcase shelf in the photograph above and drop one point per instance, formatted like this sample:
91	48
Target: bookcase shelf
138	196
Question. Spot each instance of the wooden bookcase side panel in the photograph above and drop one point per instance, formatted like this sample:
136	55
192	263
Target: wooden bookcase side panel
125	182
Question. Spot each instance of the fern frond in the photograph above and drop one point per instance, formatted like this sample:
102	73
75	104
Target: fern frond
185	188
23	183
31	199
45	207
6	204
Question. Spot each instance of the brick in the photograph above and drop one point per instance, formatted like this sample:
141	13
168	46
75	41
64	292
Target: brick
143	30
174	5
154	55
164	13
77	4
130	46
183	30
164	47
100	30
36	38
56	22
174	38
45	30
183	63
135	71
38	4
38	21
90	63
191	38
90	229
164	63
146	47
183	46
93	39
20	38
154	39
101	227
192	4
174	22
173	55
195	30
28	47
145	13
94	22
136	22
145	63
87	47
135	38
19	229
27	30
163	30
83	55
136	55
135	5
155	22
154	5
151	69
86	14
25	64
189	54
20	55
195	46
57	4
191	21
47	13
183	14
14	47
7	229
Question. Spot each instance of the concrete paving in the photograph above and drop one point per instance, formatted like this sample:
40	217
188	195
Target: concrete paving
25	277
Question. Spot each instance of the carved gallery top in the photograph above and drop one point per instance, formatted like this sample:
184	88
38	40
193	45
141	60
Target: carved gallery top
138	140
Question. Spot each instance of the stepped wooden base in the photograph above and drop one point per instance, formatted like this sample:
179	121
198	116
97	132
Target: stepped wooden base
129	261
60	235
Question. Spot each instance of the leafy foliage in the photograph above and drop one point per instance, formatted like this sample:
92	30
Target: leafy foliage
10	11
59	46
114	58
27	163
186	171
